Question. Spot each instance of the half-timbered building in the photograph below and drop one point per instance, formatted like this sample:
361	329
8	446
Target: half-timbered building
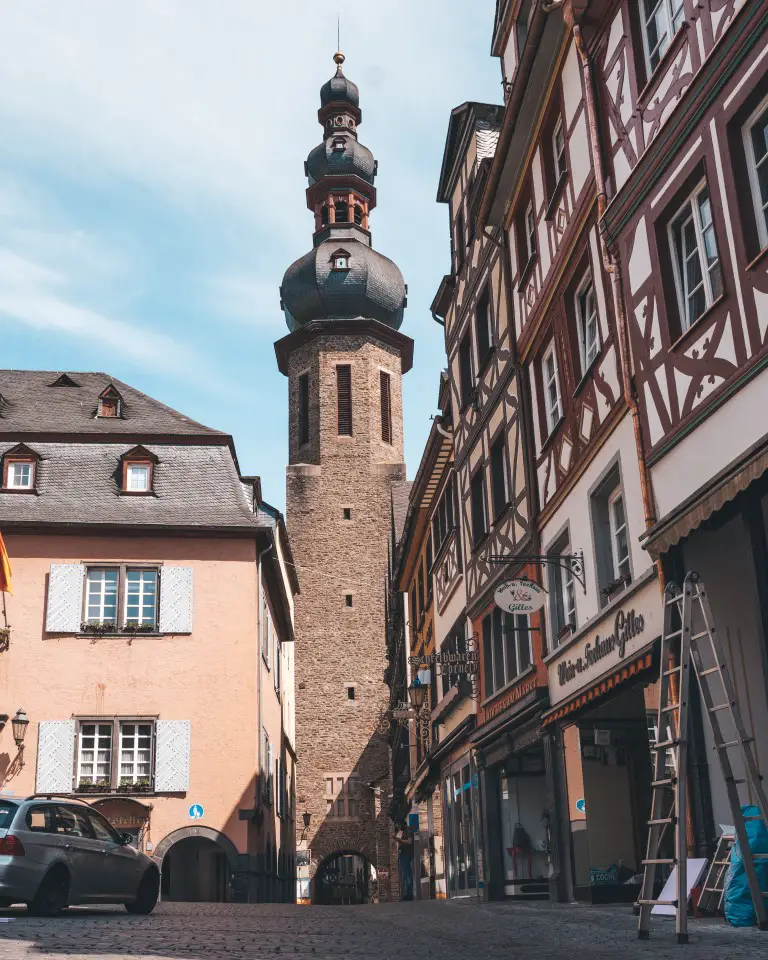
684	89
545	194
496	502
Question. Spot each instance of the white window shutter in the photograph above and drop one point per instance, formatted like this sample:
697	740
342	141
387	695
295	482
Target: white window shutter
172	740
65	598
176	600
55	756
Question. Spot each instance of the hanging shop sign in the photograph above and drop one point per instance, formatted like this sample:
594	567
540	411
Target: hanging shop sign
616	638
520	596
447	663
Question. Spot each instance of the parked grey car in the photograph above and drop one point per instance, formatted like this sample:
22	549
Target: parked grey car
58	852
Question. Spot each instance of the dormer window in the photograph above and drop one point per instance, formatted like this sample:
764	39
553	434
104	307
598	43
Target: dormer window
137	477
338	145
340	260
110	403
138	471
20	469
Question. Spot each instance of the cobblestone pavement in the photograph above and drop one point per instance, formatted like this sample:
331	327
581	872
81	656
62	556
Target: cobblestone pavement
416	931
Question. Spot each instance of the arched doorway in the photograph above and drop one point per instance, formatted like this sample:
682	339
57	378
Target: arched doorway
196	865
344	878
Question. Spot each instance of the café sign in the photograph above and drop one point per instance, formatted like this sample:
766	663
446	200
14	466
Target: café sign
520	596
614	640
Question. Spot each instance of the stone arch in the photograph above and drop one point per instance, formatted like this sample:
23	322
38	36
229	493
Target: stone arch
321	865
208	833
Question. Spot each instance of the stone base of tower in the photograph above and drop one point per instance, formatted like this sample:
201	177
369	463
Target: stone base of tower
339	482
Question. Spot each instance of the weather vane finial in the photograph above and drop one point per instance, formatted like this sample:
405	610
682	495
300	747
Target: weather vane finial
338	57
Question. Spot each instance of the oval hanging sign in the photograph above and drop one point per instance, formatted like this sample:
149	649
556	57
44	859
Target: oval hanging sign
520	596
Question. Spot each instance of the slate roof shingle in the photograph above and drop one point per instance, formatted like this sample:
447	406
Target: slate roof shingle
30	404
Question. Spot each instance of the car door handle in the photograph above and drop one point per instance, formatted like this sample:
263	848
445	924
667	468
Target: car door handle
67	846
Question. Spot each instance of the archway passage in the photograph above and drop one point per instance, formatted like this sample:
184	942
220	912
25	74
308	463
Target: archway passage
344	878
195	871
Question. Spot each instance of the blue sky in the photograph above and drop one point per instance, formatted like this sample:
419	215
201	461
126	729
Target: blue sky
152	189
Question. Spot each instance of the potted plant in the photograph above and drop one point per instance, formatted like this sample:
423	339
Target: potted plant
5	638
98	627
614	588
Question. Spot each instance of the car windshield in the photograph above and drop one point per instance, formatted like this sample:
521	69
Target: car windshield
7	811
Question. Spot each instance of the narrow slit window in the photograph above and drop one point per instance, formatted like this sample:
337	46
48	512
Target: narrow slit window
386	407
344	392
303	409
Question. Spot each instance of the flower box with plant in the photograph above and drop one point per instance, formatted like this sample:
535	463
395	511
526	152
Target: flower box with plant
98	626
101	785
614	588
142	785
133	626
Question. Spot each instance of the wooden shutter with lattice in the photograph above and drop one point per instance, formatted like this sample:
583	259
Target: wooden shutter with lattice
172	742
176	600
344	391
55	756
65	598
386	406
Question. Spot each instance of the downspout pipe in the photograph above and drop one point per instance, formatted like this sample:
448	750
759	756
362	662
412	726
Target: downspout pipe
611	265
260	658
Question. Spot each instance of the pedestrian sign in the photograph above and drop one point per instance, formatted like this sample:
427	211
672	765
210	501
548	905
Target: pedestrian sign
196	811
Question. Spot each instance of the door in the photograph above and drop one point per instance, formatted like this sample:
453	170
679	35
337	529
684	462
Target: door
123	862
40	838
87	856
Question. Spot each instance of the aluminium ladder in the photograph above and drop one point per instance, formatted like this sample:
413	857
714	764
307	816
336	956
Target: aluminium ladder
713	891
699	649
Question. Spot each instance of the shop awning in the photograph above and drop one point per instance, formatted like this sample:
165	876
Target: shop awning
643	661
708	499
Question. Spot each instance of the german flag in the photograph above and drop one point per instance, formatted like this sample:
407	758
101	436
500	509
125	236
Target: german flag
5	569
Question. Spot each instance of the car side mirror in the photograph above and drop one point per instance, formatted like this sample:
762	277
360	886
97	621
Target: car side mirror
125	839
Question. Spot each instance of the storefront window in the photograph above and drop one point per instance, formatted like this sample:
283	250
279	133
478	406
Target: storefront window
523	797
460	797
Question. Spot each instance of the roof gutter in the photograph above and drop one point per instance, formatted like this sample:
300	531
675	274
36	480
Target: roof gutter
511	113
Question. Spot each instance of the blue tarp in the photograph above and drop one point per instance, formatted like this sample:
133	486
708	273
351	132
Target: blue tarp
739	910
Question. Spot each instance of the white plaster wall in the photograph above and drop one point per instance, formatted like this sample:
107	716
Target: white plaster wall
722	437
575	511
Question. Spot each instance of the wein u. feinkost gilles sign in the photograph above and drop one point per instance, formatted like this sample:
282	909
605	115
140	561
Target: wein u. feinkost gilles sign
621	634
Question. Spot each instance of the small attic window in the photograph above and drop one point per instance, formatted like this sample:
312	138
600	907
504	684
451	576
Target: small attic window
64	381
138	471
20	469
338	144
110	403
340	260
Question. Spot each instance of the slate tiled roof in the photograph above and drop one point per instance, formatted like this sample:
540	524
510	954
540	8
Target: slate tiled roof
487	135
400	494
30	404
77	483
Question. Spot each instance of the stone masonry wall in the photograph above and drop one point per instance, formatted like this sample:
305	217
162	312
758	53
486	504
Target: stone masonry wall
340	646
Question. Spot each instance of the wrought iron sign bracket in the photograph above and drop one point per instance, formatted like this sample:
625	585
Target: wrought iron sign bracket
572	563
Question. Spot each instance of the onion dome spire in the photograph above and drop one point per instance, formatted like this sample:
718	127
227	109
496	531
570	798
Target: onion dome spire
342	277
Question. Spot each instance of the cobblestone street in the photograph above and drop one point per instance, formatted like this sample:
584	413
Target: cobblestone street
439	930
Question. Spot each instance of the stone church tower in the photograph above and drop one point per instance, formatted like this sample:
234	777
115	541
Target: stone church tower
344	359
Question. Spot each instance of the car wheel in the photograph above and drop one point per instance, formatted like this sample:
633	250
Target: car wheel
147	894
52	895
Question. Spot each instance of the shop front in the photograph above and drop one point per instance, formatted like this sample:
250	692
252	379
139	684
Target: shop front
461	825
603	686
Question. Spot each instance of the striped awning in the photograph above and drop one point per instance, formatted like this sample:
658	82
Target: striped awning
643	661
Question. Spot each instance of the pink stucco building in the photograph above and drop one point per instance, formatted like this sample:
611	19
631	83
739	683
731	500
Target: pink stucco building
150	632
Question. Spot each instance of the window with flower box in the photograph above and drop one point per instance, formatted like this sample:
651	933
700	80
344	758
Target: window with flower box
115	755
121	598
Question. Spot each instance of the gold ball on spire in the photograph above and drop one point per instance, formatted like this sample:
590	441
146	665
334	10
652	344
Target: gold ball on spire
339	58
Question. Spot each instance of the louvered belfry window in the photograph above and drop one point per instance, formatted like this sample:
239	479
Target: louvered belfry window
344	389
303	409
386	407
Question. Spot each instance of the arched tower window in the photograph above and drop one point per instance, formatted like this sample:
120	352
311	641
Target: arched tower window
324	215
342	211
358	214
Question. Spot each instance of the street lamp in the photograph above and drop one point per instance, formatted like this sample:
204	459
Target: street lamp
20	723
417	693
307	818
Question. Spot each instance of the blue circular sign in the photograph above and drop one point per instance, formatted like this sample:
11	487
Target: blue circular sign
196	811
581	806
